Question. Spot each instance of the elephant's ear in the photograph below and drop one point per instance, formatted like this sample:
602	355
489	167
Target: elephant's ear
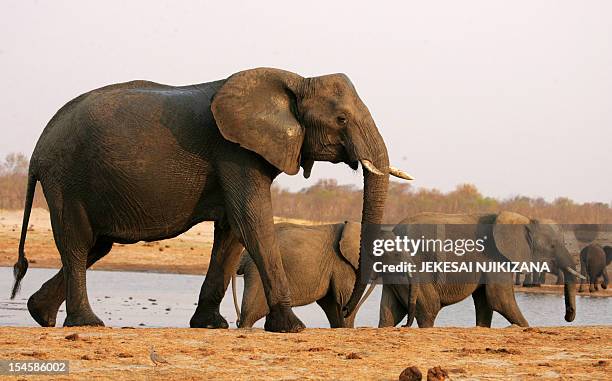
350	243
255	108
510	236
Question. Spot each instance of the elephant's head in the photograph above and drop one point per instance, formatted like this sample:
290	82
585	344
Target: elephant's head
291	121
520	239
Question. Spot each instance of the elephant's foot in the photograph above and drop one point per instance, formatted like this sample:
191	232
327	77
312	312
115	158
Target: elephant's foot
604	286
208	319
83	319
282	319
42	311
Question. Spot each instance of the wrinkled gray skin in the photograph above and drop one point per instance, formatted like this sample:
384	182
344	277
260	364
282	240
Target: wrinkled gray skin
142	161
593	262
536	279
320	263
510	236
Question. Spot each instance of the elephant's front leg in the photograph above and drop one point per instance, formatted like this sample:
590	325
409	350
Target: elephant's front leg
223	262
391	310
245	181
259	239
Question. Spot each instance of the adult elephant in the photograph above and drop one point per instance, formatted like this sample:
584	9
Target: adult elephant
141	161
508	237
593	262
320	263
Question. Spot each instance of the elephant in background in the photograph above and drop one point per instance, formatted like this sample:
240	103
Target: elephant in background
593	262
510	236
320	263
142	161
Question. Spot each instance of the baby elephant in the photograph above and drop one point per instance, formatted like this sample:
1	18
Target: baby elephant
593	262
320	263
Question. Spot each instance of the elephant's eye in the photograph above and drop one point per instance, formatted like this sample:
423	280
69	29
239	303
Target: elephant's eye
342	120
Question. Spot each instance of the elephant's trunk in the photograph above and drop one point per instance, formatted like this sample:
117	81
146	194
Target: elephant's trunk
375	188
569	289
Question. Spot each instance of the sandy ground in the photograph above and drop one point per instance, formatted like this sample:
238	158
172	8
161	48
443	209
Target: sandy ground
514	353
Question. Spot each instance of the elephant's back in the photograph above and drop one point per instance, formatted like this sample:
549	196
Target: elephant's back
593	255
122	110
442	218
127	124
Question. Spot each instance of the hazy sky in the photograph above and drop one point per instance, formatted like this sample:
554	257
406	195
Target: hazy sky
512	96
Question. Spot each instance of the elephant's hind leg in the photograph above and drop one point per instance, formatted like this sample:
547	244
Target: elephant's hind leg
484	312
44	303
501	299
74	239
223	262
332	310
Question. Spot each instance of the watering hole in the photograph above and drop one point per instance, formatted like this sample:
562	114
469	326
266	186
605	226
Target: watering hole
140	299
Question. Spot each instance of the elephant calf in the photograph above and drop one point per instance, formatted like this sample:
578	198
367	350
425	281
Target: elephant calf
320	263
510	237
593	262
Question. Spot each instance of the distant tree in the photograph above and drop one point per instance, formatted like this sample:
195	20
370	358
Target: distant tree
14	164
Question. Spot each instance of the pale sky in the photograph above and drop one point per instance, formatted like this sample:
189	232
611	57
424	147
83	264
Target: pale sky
512	96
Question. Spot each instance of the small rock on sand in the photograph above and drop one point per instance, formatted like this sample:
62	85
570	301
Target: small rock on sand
412	373
437	374
73	337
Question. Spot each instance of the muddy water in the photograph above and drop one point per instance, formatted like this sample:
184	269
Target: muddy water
168	300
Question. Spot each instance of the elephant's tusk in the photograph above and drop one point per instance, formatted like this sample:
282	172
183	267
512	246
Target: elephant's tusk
399	173
574	272
367	164
366	295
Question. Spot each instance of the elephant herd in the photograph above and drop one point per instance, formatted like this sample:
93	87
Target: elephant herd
143	161
319	261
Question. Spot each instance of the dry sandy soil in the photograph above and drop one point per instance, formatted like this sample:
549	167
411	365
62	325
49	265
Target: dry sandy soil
372	354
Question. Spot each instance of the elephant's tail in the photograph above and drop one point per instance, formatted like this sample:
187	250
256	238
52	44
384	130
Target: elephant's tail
235	297
244	260
413	293
20	268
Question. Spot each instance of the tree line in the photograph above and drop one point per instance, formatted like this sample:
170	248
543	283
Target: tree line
326	200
